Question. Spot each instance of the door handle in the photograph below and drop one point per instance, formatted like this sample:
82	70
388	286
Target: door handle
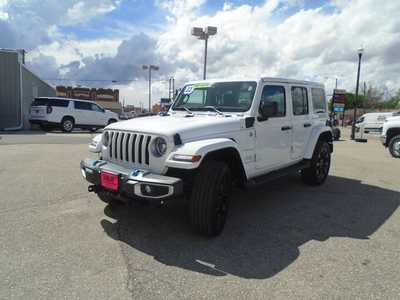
307	124
283	128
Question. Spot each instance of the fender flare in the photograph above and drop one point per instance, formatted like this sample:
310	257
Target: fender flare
202	148
314	137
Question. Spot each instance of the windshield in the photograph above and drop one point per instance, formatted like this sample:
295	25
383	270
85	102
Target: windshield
223	96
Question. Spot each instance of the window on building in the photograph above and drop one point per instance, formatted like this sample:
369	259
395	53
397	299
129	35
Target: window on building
300	101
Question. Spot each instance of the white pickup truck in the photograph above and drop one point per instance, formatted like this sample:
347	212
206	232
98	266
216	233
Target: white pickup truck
218	134
390	136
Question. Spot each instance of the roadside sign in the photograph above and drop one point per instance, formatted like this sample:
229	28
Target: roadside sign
339	105
339	100
338	109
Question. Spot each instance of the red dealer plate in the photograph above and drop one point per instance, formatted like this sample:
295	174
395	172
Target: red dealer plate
109	181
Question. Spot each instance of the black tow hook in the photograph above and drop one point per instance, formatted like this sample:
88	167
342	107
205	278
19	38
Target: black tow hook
93	188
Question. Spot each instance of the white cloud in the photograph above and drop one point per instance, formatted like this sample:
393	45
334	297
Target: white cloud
82	11
310	44
316	44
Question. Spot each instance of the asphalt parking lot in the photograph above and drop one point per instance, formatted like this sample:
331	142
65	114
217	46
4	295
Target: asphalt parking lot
282	241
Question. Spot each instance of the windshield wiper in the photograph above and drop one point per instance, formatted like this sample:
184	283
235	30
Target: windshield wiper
214	109
187	109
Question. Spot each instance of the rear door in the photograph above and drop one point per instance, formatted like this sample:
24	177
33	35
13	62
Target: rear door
301	119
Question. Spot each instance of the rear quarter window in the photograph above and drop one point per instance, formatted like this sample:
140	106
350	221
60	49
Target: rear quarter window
51	102
318	100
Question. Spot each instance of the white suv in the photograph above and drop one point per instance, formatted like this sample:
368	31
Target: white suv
68	114
217	134
391	135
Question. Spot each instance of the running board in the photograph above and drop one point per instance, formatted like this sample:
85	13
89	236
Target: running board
278	173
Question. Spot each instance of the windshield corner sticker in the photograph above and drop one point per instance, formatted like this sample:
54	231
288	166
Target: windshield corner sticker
201	85
188	90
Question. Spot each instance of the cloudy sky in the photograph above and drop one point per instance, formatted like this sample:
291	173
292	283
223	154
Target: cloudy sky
86	40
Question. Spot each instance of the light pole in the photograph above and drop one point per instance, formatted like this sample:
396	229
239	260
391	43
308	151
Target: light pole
204	34
353	127
150	67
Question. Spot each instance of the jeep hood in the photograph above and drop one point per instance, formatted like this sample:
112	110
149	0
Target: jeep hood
188	127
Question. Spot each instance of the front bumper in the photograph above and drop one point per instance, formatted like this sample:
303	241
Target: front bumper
132	184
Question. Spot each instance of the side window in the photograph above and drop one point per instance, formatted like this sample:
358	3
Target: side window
318	100
59	103
97	108
300	101
274	96
83	105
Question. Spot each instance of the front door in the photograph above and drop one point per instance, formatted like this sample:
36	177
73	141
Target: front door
302	121
274	135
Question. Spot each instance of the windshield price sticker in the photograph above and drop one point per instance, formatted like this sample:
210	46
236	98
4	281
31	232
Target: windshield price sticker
188	90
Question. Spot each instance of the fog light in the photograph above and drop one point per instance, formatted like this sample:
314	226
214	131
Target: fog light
147	189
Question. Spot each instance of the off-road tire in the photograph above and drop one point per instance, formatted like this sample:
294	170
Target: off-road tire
394	147
109	199
317	173
209	201
336	134
67	124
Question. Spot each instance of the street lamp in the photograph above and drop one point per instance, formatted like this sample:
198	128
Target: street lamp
150	67
353	128
204	34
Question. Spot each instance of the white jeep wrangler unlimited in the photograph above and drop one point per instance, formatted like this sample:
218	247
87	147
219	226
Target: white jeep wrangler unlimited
216	135
390	136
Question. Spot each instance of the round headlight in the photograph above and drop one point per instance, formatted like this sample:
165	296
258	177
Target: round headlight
106	138
159	147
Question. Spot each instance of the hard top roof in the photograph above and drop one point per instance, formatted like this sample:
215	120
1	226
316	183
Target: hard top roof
263	79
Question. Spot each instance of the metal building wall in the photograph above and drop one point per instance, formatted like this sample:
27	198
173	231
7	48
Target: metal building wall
32	87
10	105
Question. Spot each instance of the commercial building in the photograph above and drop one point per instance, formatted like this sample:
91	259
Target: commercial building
18	87
107	98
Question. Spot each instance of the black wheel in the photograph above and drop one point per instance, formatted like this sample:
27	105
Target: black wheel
317	173
93	130
108	198
111	121
394	146
336	134
67	124
209	201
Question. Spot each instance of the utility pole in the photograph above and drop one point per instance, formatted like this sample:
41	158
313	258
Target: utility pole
353	128
150	67
204	34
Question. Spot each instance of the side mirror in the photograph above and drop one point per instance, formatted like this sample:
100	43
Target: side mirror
267	110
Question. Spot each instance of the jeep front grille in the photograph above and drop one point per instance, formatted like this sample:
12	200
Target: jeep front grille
129	147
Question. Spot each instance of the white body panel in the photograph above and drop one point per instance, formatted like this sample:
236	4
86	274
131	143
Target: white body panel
96	116
373	121
262	146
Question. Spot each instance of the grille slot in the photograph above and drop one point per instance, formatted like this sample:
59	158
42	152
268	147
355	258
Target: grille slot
140	148
129	147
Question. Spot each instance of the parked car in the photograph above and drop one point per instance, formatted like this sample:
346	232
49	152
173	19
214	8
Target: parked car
67	114
373	122
218	134
391	135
